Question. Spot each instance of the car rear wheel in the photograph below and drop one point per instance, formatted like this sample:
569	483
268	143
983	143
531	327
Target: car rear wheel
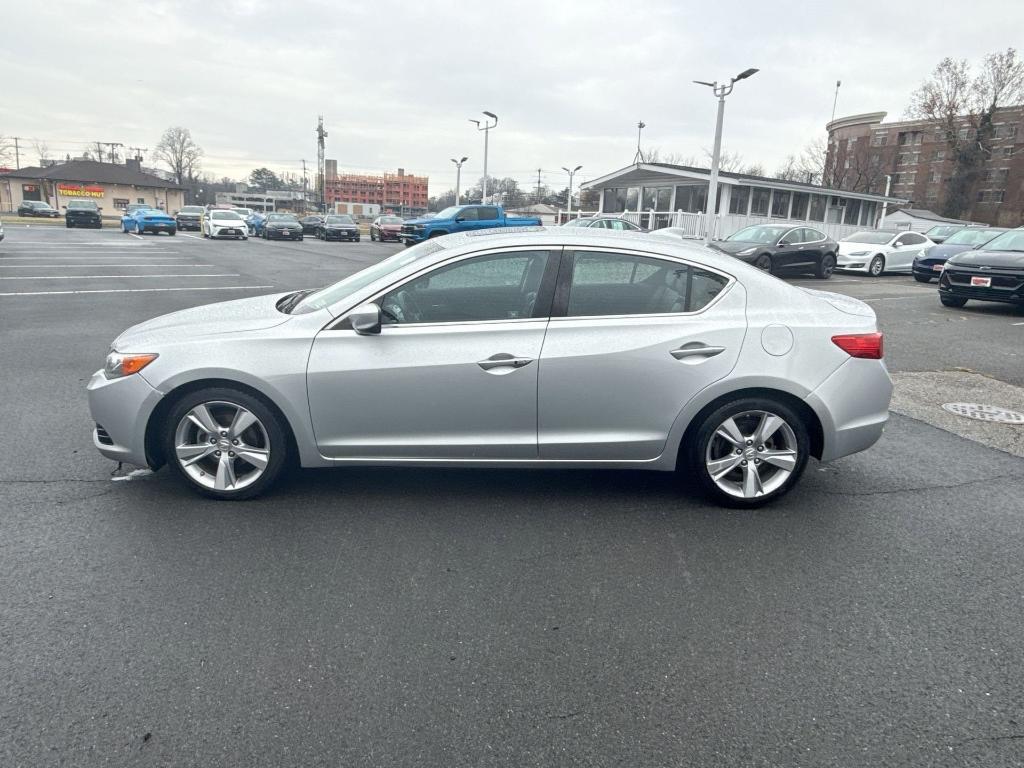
225	444
922	278
877	266
952	301
749	452
825	267
764	262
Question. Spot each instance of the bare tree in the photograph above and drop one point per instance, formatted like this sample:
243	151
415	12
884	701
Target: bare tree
179	153
6	151
960	108
42	150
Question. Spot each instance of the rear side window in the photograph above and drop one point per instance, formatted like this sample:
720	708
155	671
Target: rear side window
488	213
606	284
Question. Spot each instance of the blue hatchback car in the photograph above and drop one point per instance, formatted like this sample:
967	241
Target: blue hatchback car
142	220
929	264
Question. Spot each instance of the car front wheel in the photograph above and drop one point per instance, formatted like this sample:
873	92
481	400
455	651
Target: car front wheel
225	444
749	452
764	262
877	266
952	301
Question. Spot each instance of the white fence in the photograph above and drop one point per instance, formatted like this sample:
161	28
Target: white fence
694	225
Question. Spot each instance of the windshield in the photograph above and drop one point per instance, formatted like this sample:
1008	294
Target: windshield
338	291
225	215
973	236
82	204
875	238
448	213
192	209
339	220
243	212
942	230
759	234
1008	241
282	217
390	219
578	223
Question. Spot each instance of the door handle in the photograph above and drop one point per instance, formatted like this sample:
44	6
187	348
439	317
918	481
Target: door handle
696	350
504	360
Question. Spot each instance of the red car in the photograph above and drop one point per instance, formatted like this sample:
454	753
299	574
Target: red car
386	228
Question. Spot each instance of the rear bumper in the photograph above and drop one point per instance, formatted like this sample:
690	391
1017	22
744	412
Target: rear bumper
122	407
853	407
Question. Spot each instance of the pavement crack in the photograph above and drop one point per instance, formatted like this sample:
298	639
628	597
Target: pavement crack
917	488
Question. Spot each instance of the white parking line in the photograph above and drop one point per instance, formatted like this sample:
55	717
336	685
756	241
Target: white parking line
95	255
104	277
81	266
140	290
194	237
1016	323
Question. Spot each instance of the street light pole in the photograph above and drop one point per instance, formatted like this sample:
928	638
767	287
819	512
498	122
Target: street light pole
458	176
485	126
568	202
721	91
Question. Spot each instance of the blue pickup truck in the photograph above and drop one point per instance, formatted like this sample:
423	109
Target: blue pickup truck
461	218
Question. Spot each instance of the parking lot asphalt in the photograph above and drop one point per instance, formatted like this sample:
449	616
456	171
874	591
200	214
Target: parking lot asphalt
473	617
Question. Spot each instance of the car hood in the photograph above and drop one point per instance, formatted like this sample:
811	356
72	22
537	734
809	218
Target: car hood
735	246
282	224
189	215
946	251
846	248
209	320
1002	259
420	221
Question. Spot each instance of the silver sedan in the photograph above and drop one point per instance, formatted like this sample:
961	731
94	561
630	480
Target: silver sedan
546	348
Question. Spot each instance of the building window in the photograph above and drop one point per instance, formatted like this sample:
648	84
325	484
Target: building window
939	155
934	176
800	201
759	198
121	202
780	204
963	133
818	205
910	138
693	198
740	200
879	138
991	196
852	212
658	198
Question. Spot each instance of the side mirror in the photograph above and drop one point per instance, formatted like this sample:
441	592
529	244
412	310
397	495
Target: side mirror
365	319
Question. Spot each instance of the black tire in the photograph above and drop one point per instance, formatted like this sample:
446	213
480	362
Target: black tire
280	444
373	237
68	224
952	301
764	263
877	265
922	278
300	238
172	232
823	269
695	451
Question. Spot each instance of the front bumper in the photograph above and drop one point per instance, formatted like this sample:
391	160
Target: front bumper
853	407
341	234
1006	286
278	234
188	224
853	263
927	267
122	408
412	237
237	231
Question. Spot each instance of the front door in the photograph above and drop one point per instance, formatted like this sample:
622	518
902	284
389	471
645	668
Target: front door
452	373
637	338
907	247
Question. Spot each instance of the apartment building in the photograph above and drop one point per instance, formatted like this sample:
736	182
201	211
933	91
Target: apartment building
401	193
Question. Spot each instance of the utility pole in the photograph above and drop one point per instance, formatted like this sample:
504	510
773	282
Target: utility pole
110	145
138	152
321	134
17	153
721	91
538	185
639	156
305	184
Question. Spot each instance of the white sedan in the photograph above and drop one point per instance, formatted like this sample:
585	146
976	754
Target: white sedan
224	224
876	251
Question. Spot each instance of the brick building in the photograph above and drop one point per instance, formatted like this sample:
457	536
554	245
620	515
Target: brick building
401	193
862	150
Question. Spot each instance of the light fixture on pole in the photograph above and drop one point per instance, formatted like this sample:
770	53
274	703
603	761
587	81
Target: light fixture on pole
458	176
721	91
568	202
485	126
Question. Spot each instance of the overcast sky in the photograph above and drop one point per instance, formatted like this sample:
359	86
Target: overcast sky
397	81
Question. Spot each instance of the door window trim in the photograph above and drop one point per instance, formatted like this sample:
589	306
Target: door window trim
560	305
545	292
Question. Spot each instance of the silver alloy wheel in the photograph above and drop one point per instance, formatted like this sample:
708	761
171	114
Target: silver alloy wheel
222	446
752	454
877	266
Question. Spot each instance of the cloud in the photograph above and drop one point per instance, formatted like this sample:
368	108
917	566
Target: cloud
396	82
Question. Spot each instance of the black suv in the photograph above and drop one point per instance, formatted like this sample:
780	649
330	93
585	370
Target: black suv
82	213
37	208
190	217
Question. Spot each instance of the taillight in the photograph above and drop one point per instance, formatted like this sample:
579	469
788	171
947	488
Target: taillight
865	345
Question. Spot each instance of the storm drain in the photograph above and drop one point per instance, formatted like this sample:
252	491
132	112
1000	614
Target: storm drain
985	412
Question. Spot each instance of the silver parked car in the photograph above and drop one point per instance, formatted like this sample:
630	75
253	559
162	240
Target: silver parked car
546	348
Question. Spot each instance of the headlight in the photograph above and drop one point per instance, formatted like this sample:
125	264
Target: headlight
860	253
746	252
119	365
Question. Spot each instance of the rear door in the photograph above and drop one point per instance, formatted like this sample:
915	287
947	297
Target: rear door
632	338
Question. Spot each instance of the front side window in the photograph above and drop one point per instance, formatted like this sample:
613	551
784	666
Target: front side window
606	284
469	214
502	286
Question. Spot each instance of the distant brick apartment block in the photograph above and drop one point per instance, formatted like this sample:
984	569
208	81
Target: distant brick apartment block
401	193
862	150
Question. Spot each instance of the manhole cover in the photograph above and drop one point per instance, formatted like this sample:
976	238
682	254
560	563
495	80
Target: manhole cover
985	412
